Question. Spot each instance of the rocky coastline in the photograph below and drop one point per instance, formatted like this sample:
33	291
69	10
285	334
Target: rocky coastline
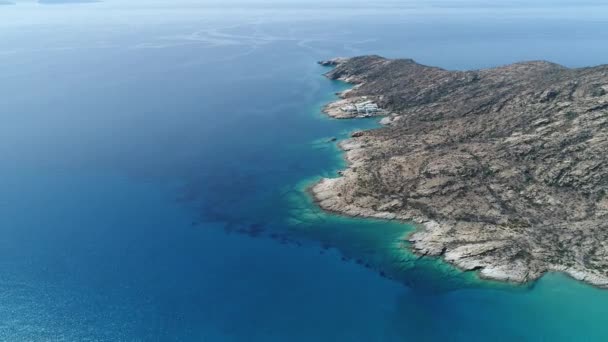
505	170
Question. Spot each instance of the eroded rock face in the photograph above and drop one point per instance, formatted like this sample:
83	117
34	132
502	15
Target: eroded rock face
506	168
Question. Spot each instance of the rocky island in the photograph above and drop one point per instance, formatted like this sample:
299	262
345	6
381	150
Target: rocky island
504	169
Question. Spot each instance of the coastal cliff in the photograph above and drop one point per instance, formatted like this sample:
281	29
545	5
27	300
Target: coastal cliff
505	169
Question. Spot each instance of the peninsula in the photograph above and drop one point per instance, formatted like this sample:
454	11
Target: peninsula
504	169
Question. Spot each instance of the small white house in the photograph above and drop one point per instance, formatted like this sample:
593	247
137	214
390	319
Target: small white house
349	109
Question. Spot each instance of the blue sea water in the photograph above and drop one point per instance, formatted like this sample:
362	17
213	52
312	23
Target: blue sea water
154	157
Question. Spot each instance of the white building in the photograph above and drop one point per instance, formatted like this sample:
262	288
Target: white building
365	108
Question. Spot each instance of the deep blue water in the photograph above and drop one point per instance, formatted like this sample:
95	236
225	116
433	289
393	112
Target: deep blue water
154	156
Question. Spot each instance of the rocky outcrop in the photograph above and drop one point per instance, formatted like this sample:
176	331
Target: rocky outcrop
505	169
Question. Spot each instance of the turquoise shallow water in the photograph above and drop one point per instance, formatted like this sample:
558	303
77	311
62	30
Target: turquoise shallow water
154	158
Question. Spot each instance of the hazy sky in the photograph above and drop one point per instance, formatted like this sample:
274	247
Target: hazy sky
37	11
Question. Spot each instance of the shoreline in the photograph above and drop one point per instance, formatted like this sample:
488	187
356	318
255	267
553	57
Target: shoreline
324	194
417	226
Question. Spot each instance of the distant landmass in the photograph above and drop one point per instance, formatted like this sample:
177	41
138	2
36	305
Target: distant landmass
504	169
55	2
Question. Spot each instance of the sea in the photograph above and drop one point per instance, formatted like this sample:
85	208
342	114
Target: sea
155	157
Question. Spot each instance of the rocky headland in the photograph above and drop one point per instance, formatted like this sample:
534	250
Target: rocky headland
504	169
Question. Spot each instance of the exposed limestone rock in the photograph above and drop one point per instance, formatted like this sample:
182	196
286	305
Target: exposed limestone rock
506	168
